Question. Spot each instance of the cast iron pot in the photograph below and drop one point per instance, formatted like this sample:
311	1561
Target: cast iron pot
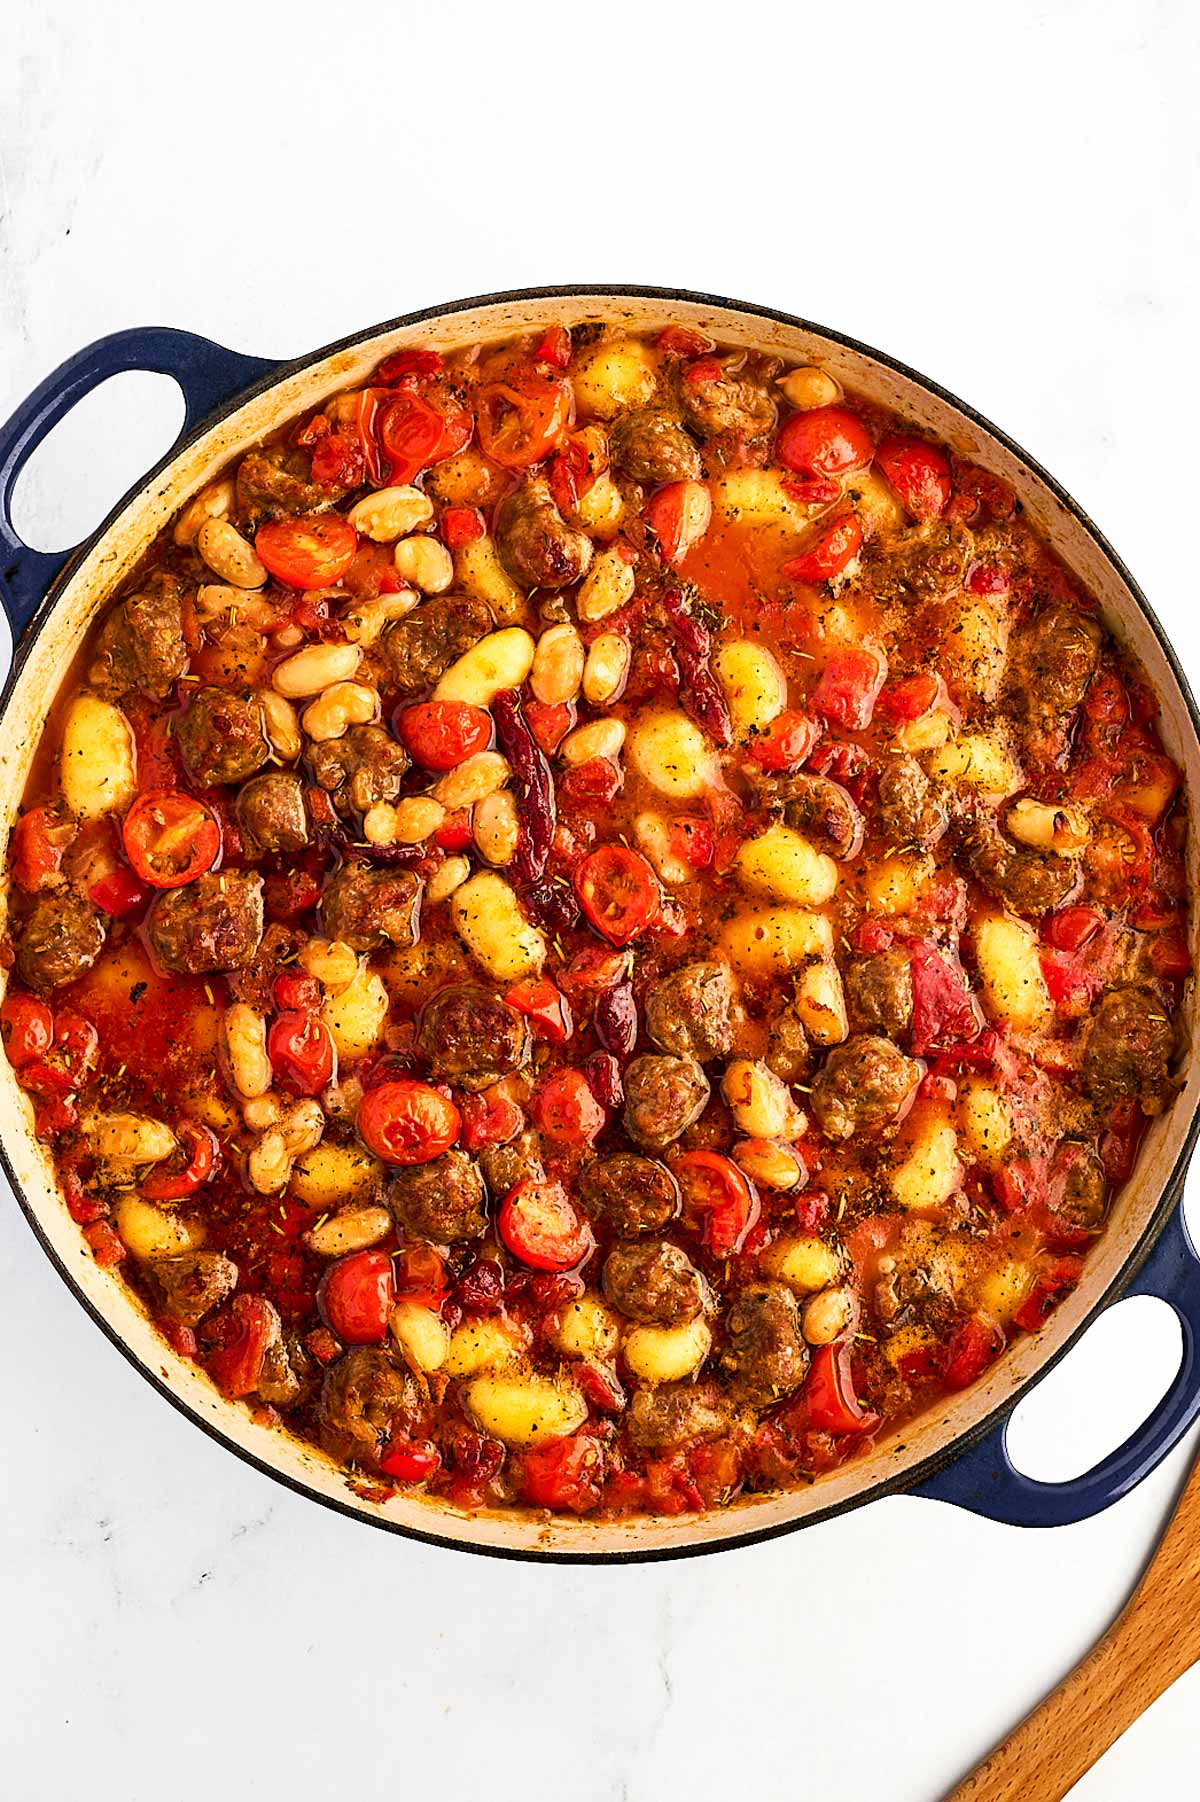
956	1452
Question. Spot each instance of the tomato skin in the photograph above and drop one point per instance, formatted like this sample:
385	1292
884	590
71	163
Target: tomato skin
918	472
564	1473
439	735
406	1122
831	1406
356	1297
248	1325
943	1012
540	1224
565	1109
522	417
545	1007
691	840
71	1059
105	1243
679	515
725	1195
837	546
974	1343
294	990
409	432
410	1460
825	441
550	721
170	838
1170	956
119	893
909	699
553	347
203	1150
787	742
462	525
686	342
408	363
848	686
419	1273
27	1027
310	552
39	840
301	1052
1050	1288
618	892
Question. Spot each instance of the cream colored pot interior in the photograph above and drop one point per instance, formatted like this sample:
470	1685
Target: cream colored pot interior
119	550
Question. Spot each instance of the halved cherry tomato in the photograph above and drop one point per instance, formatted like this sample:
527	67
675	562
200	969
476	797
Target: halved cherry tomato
247	1327
489	1119
571	475
310	552
848	686
910	698
786	743
546	1007
408	362
356	1297
918	472
541	1225
566	1110
338	461
549	721
119	893
1170	956
170	838
39	840
522	417
724	1194
619	893
27	1027
984	578
679	515
415	430
564	1473
685	341
293	989
440	735
826	441
589	785
691	840
837	545
831	1404
1071	988
1050	1288
420	1273
301	1052
410	1460
553	347
71	1059
407	1122
202	1154
461	525
974	1343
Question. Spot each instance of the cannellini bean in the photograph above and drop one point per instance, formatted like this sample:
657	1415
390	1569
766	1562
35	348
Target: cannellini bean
212	502
280	724
422	1335
473	780
599	738
771	1165
828	1315
607	668
367	621
558	664
653	834
426	563
354	1229
496	828
608	585
125	1138
761	1104
317	667
215	600
339	707
269	1164
1064	829
262	1111
391	513
245	1037
442	884
807	388
229	555
409	822
331	961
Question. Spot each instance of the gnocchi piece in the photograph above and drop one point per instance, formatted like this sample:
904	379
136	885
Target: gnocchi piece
804	1262
667	1354
757	497
755	686
984	1121
479	1345
148	1232
821	1003
601	509
330	1175
775	941
586	1329
356	1015
465	480
1010	972
97	765
761	1104
445	879
1002	1290
354	1229
608	585
876	503
525	1409
1065	829
489	921
331	961
930	1170
422	1335
501	660
672	754
653	834
980	761
785	866
975	650
912	1341
614	376
929	733
479	572
894	884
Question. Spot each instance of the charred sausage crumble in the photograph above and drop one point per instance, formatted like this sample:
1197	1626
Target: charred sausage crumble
598	926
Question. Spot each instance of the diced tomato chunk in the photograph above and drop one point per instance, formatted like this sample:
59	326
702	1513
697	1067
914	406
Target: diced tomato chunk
848	686
564	1473
919	473
974	1343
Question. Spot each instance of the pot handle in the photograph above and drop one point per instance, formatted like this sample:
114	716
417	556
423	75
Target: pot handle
984	1479
208	375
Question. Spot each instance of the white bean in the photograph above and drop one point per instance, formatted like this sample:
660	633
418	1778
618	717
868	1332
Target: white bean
558	665
827	1316
391	513
337	708
354	1229
318	666
496	828
426	563
449	876
474	779
331	961
608	585
607	669
212	502
808	388
229	555
599	738
281	725
245	1035
409	822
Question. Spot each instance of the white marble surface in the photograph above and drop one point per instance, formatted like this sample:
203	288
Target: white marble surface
1005	197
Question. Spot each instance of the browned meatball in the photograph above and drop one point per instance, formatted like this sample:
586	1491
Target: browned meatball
60	937
442	1201
688	1012
653	447
655	1283
789	1054
214	923
1051	662
221	737
733	402
277	479
421	647
824	812
630	1194
1078	1188
1129	1050
504	1166
280	1381
471	1036
537	547
193	1284
1031	882
370	908
879	990
362	767
865	1086
271	811
141	642
365	1400
765	1351
911	811
678	1414
663	1097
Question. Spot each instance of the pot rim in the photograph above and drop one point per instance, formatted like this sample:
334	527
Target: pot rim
1172	1189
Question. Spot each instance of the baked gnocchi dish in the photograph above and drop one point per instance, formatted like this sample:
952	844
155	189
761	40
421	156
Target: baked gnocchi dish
597	926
